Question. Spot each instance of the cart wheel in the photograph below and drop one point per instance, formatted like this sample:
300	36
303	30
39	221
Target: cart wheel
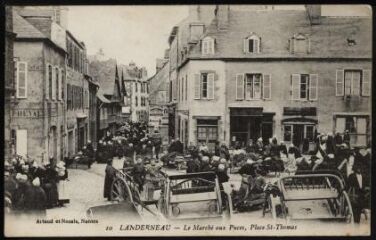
118	190
348	215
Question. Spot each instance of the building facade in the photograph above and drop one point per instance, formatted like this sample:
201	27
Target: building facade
9	82
137	87
77	103
38	114
158	99
295	75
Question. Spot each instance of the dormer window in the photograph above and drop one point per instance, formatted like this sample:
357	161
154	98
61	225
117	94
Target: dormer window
207	46
252	44
300	43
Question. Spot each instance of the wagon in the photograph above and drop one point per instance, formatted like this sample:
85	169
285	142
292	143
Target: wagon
194	196
311	197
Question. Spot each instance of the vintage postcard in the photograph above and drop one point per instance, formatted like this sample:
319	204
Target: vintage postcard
188	120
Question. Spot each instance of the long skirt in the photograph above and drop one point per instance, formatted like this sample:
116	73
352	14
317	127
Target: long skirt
51	194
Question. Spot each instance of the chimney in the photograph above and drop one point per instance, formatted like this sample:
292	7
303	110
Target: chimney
314	13
195	31
222	13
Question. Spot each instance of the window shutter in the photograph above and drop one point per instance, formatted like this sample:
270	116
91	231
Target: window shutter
58	80
295	86
197	86
291	41
53	84
340	125
211	86
266	86
309	45
245	45
366	83
256	46
47	87
239	86
339	82
313	82
21	79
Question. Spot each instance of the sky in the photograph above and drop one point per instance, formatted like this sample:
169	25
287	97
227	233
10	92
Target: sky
126	33
140	33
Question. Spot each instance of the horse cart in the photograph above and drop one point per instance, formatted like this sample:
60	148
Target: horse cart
194	196
310	197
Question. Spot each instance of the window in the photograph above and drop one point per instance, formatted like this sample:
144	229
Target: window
50	81
21	80
69	97
207	46
304	86
253	86
300	43
204	86
58	83
353	82
136	101
358	127
252	44
136	86
296	133
207	131
310	132
62	76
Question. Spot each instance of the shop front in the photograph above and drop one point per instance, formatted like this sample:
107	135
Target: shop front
248	124
300	127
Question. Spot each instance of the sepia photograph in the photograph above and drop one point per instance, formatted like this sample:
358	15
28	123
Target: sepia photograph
187	120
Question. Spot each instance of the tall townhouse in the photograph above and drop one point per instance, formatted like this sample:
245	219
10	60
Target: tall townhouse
135	81
284	73
110	95
158	99
38	113
9	82
183	37
77	103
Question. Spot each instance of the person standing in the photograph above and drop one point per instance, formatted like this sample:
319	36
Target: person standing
50	184
90	153
179	146
108	179
138	173
358	186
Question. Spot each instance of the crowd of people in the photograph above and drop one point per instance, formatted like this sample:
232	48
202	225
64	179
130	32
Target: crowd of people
30	187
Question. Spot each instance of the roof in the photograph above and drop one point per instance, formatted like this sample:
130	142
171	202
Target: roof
24	29
275	28
159	82
102	98
103	72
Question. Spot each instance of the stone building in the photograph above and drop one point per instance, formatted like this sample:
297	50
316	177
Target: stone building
284	73
158	99
38	113
9	82
136	84
77	101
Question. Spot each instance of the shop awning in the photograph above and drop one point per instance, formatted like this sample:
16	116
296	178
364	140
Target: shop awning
256	112
303	111
207	117
299	120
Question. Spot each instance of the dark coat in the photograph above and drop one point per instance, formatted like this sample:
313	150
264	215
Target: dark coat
248	169
108	179
35	200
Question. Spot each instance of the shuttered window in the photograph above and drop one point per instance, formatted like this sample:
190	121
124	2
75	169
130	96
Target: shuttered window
366	83
267	84
53	87
210	94
339	82
252	44
239	86
304	86
21	80
295	86
352	82
58	83
50	81
62	81
197	86
313	80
